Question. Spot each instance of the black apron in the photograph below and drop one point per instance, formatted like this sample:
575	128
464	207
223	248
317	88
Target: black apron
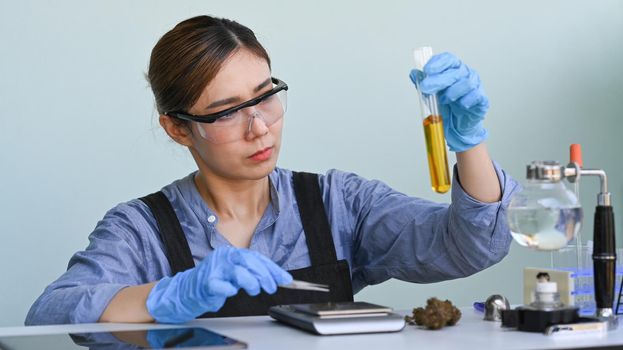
324	269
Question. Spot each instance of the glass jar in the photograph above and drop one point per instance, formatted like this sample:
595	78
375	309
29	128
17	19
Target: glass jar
545	215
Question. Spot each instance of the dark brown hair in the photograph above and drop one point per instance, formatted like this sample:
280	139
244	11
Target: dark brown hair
187	58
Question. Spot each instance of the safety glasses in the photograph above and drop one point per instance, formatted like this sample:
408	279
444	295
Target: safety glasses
234	123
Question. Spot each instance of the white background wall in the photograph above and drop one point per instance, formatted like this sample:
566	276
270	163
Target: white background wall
79	133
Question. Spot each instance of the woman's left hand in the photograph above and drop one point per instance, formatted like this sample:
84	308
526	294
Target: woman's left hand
462	101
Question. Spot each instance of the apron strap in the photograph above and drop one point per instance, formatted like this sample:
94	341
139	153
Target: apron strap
314	218
171	234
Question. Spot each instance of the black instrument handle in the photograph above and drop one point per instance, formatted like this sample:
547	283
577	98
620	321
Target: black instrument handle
604	257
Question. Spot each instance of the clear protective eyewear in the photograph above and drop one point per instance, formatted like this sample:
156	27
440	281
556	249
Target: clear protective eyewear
235	123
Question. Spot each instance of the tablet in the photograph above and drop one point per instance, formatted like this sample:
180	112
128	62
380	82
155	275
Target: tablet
160	338
341	308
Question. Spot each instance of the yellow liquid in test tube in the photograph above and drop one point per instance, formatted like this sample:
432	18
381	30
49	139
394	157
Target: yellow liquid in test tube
433	127
437	154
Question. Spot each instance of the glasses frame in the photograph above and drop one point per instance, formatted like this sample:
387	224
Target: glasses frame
280	85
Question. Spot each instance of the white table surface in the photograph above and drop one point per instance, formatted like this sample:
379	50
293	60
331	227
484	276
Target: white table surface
262	332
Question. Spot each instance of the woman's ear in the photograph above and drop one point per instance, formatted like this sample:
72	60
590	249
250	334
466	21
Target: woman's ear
179	131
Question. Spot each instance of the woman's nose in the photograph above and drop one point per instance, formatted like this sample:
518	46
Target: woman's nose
257	126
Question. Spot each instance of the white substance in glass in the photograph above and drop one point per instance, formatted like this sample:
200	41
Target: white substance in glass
544	228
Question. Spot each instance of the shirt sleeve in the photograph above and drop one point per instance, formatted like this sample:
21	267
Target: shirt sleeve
415	240
113	260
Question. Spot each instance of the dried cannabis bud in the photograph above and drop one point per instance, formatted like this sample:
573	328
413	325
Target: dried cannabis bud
436	315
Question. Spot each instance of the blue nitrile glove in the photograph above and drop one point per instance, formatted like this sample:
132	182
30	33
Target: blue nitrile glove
462	101
205	287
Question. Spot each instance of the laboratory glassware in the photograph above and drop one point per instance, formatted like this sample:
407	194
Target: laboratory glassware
555	212
545	215
433	128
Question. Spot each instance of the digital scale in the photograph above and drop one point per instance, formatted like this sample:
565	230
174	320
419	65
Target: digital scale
339	318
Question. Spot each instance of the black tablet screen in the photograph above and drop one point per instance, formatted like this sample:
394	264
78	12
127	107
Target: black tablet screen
165	338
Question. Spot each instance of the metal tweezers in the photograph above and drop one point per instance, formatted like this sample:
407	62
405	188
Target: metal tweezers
296	284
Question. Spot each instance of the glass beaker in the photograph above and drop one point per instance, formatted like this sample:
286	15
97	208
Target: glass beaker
433	128
545	215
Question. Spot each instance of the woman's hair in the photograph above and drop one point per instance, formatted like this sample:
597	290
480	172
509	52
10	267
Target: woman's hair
189	56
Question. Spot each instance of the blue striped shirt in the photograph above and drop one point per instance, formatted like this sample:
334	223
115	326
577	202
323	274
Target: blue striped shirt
382	234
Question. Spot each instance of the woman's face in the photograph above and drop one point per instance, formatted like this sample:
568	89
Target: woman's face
242	77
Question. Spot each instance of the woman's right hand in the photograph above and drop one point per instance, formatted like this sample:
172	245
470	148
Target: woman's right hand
205	287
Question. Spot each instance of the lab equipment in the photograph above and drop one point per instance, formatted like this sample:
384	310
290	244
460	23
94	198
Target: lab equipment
341	308
564	281
161	338
462	101
549	198
576	258
433	128
303	285
493	307
205	287
342	322
580	268
545	311
545	215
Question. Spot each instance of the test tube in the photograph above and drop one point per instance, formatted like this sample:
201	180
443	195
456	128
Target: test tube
433	129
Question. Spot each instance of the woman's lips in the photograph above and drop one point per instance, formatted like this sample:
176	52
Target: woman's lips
262	155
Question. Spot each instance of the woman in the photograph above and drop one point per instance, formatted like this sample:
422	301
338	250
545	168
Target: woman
220	241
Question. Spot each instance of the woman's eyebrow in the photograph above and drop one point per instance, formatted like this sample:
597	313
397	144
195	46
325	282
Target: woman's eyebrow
235	99
262	85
